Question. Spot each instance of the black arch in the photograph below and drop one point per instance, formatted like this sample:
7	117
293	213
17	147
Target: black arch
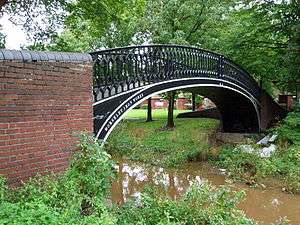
241	116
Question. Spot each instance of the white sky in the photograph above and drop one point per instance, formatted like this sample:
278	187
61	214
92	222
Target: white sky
15	37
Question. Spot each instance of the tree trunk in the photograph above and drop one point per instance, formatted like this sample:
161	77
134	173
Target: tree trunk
193	101
171	97
149	111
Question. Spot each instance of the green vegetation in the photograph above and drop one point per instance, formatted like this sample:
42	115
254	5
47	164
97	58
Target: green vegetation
249	32
154	143
289	131
251	168
191	140
79	196
200	205
284	163
157	114
75	197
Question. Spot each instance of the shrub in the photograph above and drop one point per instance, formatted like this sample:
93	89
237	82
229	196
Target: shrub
75	197
289	130
203	204
250	167
79	196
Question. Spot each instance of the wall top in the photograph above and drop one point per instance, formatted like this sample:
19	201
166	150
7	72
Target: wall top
29	56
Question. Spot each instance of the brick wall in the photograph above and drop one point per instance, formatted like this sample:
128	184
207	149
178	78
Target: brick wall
183	103
43	103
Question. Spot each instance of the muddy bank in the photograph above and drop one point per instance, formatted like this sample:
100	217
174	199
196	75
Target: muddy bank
265	205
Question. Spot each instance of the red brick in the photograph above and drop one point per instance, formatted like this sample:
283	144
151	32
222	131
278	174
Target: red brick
41	105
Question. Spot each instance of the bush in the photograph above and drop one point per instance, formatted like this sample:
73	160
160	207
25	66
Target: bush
76	197
248	167
289	130
200	205
79	196
251	168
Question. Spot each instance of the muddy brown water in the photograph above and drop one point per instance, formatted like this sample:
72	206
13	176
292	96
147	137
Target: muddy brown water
263	205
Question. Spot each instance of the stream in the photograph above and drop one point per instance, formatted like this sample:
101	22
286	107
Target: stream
264	205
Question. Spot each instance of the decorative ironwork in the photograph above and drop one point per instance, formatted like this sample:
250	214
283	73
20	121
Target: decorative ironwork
123	69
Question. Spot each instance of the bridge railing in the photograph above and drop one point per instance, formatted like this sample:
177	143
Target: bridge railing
122	69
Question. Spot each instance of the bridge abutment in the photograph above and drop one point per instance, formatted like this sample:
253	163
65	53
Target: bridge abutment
45	99
270	112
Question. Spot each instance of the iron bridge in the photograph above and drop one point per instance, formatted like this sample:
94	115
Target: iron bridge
124	77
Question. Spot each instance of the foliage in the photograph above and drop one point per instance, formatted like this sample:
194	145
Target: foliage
289	131
284	163
250	32
39	18
75	197
200	205
2	39
151	143
78	196
243	165
178	21
251	168
255	32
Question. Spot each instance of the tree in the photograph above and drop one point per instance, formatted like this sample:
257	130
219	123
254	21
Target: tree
2	39
171	100
170	96
177	21
262	36
174	22
88	30
39	18
193	101
149	110
50	24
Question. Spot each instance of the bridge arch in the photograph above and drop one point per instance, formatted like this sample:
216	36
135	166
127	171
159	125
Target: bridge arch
122	103
125	76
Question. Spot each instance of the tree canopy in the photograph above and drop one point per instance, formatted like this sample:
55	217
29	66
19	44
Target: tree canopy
263	36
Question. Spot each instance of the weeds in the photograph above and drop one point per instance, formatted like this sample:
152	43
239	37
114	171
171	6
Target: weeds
147	142
79	196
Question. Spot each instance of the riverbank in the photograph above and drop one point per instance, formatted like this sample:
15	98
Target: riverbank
81	196
150	142
194	140
263	205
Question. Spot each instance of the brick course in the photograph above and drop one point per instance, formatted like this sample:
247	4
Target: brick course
42	105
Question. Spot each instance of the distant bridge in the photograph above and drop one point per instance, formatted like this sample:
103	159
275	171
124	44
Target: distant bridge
124	77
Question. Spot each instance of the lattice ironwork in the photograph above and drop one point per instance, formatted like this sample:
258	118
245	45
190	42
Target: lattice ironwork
123	69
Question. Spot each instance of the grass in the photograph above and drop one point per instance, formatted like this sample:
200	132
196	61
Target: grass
193	139
152	143
156	113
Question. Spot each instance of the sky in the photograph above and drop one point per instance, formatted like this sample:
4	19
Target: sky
15	37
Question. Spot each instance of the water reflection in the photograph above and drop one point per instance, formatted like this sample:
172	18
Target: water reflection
263	205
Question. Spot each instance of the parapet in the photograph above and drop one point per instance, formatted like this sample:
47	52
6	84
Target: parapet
32	56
